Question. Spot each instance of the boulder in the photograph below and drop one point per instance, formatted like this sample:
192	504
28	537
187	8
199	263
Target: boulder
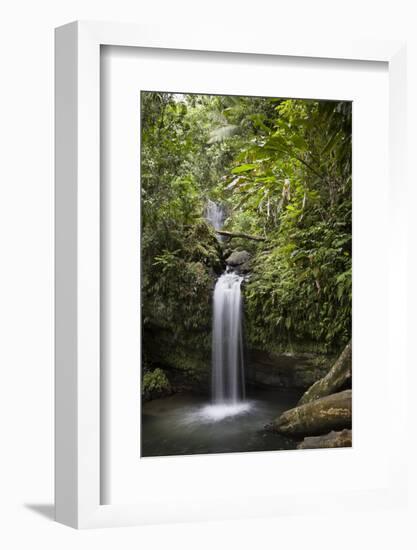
238	258
245	268
336	379
327	441
333	412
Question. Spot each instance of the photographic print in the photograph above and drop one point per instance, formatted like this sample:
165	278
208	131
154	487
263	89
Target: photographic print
246	273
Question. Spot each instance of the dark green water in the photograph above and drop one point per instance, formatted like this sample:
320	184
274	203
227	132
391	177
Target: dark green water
186	424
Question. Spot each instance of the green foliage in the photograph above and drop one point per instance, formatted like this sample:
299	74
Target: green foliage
177	285
180	253
155	384
282	169
301	290
292	182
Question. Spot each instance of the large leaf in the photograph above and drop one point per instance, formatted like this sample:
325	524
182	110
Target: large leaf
243	168
222	133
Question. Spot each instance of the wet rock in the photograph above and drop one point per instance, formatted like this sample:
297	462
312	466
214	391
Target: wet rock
333	412
238	258
283	370
327	441
245	268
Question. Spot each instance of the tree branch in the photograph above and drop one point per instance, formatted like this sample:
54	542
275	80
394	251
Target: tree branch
240	235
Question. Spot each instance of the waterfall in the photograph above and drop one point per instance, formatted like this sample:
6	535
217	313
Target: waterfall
215	215
228	377
227	348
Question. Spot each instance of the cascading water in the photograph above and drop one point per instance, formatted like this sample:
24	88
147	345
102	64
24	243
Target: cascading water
215	215
227	348
228	370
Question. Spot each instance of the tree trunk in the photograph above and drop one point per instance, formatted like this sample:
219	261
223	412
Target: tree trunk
335	379
333	412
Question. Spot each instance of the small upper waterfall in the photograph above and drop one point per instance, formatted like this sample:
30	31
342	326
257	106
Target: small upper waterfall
228	379
215	215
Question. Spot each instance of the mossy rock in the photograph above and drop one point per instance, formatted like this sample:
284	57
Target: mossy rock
155	384
237	258
333	412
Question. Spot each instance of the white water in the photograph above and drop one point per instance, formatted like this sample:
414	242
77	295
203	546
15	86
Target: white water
219	412
228	379
215	215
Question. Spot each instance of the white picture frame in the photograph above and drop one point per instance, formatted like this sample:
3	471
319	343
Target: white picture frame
78	405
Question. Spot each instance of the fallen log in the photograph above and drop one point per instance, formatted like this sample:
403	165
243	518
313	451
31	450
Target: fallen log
328	441
333	412
240	235
335	379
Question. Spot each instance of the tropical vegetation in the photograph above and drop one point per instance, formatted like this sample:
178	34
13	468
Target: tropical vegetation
281	169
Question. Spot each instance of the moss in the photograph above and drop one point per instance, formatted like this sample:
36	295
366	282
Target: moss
204	247
195	365
318	351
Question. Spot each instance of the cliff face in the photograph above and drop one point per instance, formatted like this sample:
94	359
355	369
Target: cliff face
284	370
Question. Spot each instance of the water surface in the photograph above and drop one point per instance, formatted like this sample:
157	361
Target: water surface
186	424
